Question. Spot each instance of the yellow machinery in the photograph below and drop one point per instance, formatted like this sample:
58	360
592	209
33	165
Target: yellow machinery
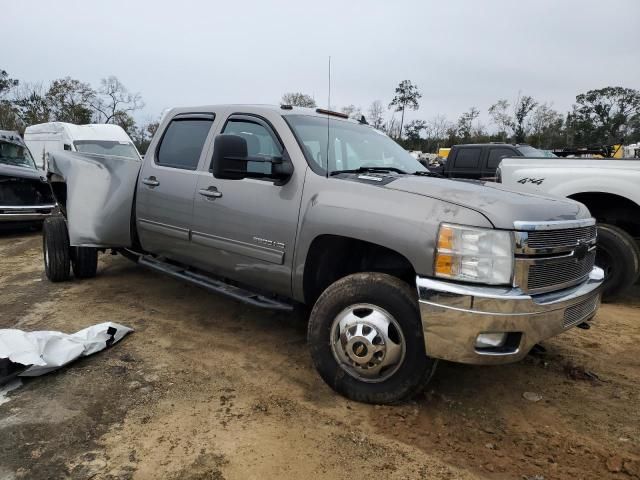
443	152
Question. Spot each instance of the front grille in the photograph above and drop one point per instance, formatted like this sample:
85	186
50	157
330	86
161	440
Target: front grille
546	275
579	312
16	191
561	238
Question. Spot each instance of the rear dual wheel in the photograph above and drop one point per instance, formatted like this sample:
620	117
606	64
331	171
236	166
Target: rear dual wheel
55	246
84	261
366	339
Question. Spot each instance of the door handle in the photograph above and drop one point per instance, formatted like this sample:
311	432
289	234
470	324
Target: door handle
211	192
151	181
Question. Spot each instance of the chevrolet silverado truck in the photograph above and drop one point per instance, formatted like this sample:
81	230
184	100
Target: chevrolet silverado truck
609	188
283	206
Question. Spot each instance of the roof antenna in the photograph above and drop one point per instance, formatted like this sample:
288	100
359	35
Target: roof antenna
328	108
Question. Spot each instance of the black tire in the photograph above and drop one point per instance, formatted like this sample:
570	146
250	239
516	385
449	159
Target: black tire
84	261
619	256
55	246
400	301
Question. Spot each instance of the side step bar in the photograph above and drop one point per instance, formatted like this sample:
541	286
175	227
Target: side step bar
210	283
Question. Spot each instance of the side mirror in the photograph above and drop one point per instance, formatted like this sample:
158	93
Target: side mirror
229	159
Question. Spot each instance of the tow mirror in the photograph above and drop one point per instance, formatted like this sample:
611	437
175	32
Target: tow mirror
229	159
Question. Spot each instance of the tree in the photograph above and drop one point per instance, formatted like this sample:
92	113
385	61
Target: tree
465	123
71	100
30	104
546	126
407	96
352	111
413	129
391	127
376	114
435	133
500	117
6	83
606	115
8	117
113	99
522	108
297	99
142	134
437	127
124	121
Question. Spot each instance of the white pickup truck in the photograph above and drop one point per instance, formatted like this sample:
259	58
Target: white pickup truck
610	189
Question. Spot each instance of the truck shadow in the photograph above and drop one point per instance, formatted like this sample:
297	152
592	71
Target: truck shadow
19	231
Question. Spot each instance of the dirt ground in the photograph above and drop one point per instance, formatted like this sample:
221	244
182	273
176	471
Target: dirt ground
207	388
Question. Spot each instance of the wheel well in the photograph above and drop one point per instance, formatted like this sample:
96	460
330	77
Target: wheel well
59	189
613	209
332	257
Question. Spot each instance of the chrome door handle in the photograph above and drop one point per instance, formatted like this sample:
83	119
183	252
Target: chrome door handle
151	181
211	192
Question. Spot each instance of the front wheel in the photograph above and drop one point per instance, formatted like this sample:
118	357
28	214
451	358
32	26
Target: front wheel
619	256
366	339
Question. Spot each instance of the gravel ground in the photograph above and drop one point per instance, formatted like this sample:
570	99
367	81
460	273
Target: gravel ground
207	388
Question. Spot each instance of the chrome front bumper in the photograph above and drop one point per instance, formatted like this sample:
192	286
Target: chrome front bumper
453	316
25	213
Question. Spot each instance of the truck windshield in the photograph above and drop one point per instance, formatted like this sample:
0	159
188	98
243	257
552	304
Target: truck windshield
107	147
16	155
351	146
529	151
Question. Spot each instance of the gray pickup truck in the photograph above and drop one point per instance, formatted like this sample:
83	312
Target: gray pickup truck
282	206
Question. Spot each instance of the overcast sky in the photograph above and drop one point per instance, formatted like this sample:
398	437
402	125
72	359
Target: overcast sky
459	53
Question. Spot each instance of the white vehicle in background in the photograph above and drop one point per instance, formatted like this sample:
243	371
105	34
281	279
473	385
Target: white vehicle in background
610	189
102	138
632	151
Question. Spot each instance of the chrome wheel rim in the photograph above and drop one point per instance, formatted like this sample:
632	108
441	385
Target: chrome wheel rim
367	342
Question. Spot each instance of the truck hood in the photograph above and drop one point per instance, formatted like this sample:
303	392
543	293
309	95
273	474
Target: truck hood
502	207
21	172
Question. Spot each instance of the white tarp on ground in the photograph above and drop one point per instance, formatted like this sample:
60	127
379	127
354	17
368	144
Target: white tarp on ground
46	351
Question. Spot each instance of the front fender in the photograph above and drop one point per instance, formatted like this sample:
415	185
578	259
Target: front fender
403	222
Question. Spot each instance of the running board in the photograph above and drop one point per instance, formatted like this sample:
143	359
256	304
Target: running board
213	284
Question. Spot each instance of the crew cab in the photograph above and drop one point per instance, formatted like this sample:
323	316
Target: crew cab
281	207
609	188
480	160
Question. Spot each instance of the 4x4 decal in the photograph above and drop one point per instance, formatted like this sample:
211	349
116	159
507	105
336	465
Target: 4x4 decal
536	181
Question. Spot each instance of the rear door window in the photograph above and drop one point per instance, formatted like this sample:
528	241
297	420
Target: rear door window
497	154
467	158
182	143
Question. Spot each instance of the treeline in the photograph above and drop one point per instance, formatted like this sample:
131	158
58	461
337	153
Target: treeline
605	116
70	100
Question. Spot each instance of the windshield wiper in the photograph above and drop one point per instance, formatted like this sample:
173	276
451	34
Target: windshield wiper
368	169
428	173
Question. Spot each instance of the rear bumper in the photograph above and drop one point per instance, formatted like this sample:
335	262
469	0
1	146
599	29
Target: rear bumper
25	213
453	316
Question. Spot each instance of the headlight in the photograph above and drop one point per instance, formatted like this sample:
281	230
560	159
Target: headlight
471	254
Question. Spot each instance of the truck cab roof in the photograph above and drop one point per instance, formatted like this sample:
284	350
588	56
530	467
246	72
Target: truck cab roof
284	110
